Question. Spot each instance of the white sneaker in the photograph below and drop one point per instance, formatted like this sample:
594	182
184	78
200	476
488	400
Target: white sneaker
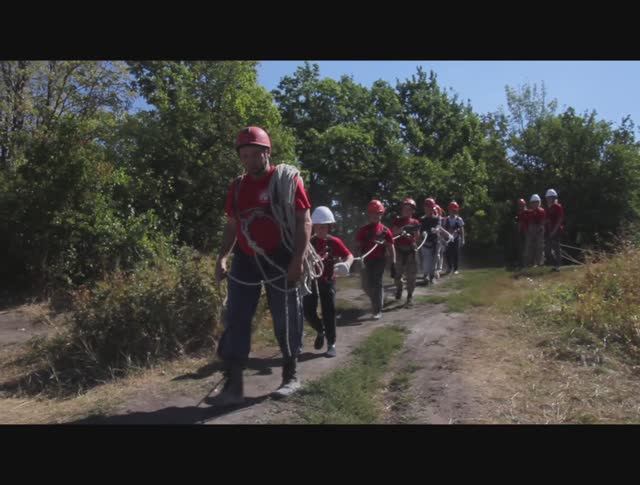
288	388
377	316
456	272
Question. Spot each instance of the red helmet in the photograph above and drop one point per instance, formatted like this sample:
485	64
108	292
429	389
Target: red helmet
409	201
429	202
375	206
521	203
253	135
453	206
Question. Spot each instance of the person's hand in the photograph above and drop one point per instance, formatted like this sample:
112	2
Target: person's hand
341	269
221	269
295	271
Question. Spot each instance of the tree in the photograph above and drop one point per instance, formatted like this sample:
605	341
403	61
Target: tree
182	152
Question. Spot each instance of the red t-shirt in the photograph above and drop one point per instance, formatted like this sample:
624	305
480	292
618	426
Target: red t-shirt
373	231
405	241
523	220
330	250
536	216
254	195
555	214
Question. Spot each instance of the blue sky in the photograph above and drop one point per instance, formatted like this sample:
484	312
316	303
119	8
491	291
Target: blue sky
609	87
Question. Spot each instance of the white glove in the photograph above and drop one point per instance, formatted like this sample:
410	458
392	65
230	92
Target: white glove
341	269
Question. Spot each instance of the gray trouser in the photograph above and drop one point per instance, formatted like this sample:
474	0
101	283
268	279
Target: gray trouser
371	277
428	255
535	245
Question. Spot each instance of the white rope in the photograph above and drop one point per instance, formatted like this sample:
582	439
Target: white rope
573	247
375	245
424	240
569	258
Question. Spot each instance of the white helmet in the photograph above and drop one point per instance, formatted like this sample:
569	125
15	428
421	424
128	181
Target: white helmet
322	215
551	193
341	269
534	198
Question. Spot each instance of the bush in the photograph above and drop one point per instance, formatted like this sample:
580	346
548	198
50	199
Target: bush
601	309
165	309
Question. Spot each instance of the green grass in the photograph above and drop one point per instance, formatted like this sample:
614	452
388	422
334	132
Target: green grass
347	395
399	386
471	288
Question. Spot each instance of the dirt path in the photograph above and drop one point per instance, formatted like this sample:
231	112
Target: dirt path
20	324
435	342
436	349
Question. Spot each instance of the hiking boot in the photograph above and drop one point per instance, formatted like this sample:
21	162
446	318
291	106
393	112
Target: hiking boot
290	382
331	351
233	390
319	341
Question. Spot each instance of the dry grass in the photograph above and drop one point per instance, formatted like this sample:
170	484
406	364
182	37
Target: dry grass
551	356
525	383
155	383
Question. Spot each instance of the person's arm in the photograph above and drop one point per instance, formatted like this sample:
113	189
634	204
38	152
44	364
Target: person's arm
348	260
302	238
443	231
391	248
228	241
462	235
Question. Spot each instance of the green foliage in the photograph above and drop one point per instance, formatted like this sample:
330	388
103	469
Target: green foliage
165	309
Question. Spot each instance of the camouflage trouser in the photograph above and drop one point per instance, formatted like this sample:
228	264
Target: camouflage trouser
535	245
407	265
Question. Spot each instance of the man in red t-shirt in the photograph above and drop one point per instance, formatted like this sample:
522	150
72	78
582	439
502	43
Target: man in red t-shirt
405	231
374	240
334	254
260	255
554	227
535	233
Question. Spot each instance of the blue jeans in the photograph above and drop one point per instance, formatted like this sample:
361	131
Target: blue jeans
242	301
